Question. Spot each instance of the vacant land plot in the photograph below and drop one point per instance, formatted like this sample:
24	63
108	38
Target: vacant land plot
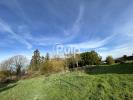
101	83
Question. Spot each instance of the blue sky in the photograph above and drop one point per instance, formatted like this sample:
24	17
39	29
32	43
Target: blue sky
102	25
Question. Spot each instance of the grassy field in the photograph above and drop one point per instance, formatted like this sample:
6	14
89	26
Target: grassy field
100	83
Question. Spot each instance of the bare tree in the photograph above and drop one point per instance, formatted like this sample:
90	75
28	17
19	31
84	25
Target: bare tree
14	64
6	66
18	62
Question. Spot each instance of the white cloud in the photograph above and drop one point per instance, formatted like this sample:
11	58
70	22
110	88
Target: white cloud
21	11
43	41
96	43
4	27
74	31
118	51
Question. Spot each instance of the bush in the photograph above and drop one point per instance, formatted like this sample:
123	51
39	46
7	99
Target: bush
46	67
70	63
4	75
109	60
51	67
58	66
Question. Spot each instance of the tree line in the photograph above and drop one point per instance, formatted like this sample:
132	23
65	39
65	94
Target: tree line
17	66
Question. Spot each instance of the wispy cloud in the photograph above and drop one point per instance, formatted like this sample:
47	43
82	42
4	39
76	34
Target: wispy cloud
63	25
76	27
4	27
95	43
20	9
70	34
117	51
124	25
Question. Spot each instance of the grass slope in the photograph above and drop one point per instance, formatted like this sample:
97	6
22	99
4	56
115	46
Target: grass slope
101	83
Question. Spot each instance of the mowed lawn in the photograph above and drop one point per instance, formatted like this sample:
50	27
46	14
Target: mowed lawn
101	83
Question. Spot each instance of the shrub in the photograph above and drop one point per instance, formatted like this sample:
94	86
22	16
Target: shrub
70	63
4	75
110	60
58	65
52	66
46	67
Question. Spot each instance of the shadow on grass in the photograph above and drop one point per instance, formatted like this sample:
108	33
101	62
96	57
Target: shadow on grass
6	86
109	69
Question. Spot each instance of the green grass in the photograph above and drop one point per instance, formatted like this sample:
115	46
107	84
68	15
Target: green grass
101	83
110	69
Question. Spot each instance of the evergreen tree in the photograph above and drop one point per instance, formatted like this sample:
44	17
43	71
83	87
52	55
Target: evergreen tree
47	57
36	60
